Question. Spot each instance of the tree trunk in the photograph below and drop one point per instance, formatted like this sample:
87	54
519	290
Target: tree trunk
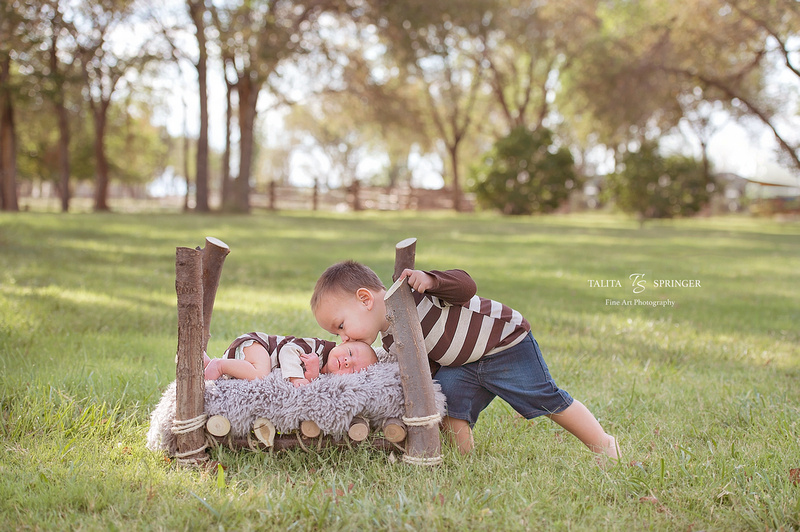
705	160
186	145
248	99
197	10
99	111
315	195
227	185
453	149
8	142
63	153
63	129
355	189
272	195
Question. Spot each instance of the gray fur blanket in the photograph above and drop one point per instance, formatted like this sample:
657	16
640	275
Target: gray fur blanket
332	401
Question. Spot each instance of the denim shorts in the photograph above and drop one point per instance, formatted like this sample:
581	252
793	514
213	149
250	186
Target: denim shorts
518	375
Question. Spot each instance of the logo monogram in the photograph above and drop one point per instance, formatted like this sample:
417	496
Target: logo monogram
638	282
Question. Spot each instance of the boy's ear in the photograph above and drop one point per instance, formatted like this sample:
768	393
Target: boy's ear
365	297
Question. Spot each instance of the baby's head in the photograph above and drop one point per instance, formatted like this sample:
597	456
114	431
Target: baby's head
348	302
349	357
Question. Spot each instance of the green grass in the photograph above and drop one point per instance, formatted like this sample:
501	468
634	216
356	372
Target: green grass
704	396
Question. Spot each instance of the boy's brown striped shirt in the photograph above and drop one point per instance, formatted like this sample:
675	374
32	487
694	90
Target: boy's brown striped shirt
466	327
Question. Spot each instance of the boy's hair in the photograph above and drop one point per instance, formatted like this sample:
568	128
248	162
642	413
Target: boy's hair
347	277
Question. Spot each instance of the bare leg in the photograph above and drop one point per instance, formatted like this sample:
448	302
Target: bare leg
579	421
460	433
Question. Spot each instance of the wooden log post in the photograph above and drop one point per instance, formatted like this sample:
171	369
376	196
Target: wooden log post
197	273
190	385
404	256
214	254
423	445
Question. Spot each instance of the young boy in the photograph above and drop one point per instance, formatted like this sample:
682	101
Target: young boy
253	355
485	348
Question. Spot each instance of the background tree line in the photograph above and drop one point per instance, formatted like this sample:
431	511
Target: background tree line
521	100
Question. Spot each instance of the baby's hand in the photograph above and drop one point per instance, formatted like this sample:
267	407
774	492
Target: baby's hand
311	362
419	280
213	369
298	382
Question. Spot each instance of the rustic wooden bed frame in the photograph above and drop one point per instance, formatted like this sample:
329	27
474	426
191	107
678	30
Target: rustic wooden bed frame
197	276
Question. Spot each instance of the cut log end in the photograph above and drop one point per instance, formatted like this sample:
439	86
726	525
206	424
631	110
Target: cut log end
359	429
394	430
309	429
406	243
392	289
216	242
218	425
264	430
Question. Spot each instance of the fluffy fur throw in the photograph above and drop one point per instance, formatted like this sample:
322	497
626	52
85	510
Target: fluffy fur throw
332	401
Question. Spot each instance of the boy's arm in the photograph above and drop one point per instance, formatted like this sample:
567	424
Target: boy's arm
453	286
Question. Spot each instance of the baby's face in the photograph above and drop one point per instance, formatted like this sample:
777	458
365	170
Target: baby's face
349	357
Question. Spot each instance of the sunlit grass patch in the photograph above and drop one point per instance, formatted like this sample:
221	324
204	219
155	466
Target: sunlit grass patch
702	395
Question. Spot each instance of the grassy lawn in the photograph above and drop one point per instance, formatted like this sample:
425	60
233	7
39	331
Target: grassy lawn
703	394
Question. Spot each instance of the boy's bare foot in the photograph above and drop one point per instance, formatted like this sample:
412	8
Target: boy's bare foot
612	449
609	455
